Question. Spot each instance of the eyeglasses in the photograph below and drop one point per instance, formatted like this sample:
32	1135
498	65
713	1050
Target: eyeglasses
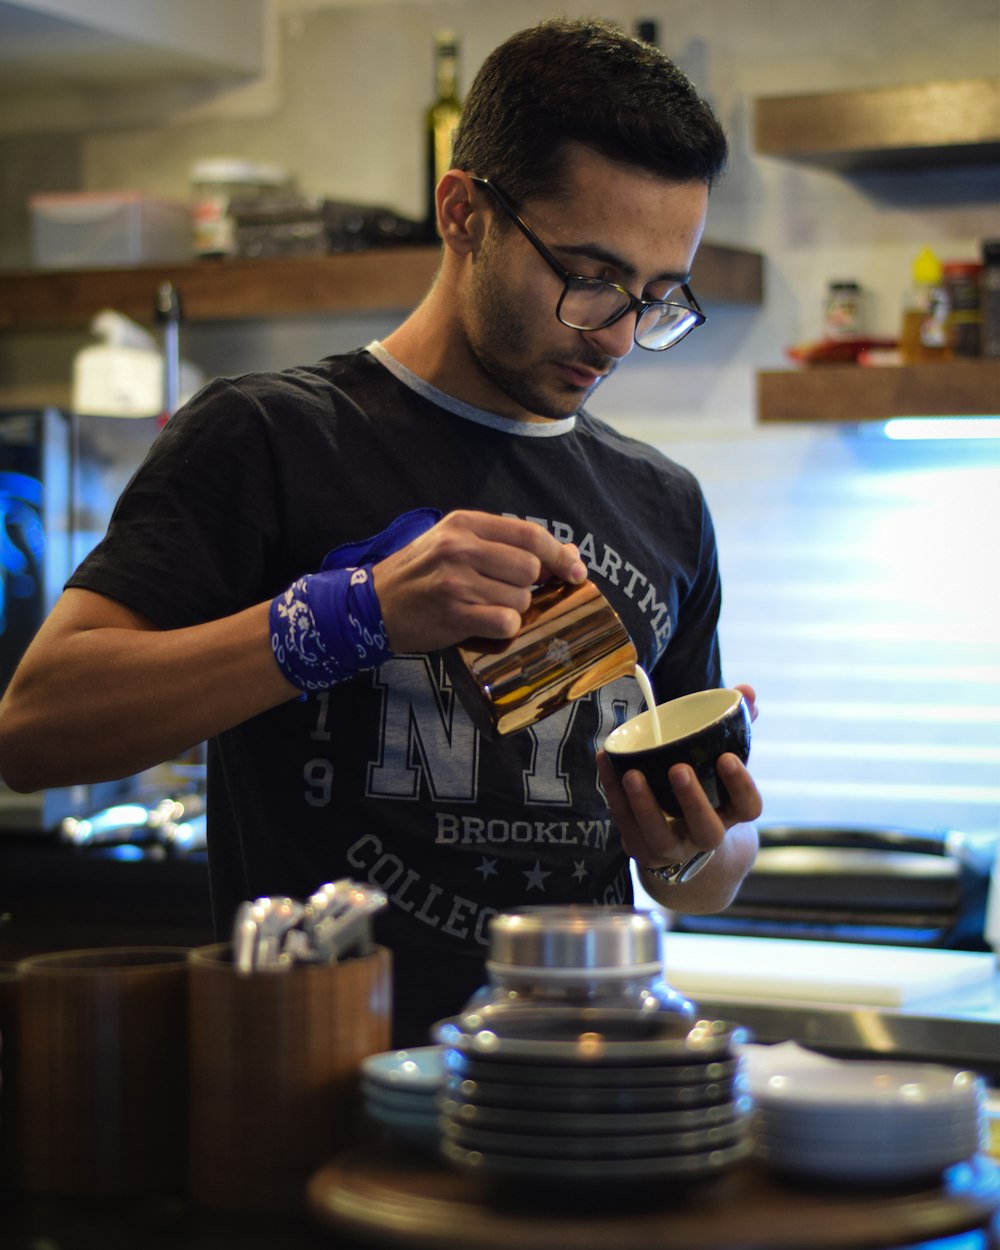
593	304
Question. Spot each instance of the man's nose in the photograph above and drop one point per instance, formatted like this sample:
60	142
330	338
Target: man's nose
617	339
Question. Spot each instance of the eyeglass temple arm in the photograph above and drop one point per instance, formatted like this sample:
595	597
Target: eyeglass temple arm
523	226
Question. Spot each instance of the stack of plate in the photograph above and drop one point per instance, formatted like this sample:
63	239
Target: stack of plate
400	1088
592	1096
869	1121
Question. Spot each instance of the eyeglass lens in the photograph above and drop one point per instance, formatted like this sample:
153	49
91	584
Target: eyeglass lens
592	305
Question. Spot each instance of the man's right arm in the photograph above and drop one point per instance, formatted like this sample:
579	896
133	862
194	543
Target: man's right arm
102	692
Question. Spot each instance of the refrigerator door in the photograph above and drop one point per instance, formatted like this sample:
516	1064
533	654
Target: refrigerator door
60	477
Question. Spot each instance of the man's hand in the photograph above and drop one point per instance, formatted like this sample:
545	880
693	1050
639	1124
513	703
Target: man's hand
469	576
654	839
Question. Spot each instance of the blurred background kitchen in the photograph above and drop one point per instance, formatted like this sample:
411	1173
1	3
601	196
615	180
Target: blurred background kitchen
860	570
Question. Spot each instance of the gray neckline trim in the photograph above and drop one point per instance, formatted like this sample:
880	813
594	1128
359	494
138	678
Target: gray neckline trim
505	425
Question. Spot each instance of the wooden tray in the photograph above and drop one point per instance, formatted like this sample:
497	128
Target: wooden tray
396	1199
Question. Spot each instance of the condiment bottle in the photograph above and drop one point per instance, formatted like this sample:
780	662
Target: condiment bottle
961	280
924	334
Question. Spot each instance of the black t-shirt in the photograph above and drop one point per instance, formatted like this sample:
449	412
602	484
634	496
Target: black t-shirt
383	778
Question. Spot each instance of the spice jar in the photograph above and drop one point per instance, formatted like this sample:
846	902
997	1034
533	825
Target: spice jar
219	183
843	316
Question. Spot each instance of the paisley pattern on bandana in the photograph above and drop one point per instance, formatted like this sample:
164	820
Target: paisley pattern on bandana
327	626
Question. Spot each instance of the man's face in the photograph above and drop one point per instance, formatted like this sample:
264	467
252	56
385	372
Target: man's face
613	222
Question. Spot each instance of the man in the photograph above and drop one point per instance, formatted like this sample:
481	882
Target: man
569	225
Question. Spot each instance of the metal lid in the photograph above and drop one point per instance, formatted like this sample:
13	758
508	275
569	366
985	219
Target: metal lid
577	938
224	169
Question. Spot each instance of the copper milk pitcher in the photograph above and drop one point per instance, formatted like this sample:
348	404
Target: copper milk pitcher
571	642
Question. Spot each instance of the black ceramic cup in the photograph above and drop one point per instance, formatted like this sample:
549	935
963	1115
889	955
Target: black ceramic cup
695	729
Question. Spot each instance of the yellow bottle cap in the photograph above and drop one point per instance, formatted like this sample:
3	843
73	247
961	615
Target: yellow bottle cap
926	268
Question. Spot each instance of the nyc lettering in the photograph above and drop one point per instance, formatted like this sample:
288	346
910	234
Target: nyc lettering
423	747
422	737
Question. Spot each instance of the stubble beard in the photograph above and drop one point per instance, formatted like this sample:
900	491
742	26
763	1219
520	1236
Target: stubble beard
497	335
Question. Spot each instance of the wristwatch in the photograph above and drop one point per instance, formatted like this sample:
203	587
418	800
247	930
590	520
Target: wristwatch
678	874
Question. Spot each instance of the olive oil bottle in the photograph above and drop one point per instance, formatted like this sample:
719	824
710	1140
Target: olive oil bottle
441	121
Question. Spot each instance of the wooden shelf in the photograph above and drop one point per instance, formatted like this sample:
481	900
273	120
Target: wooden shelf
920	124
727	275
384	279
220	290
850	393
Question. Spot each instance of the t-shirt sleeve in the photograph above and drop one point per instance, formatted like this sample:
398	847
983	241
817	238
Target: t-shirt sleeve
188	540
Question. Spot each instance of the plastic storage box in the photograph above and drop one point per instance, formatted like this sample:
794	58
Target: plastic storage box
88	230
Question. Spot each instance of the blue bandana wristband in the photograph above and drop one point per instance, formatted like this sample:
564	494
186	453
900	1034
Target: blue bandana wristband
327	626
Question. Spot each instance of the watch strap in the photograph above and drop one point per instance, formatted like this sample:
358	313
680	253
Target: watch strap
678	874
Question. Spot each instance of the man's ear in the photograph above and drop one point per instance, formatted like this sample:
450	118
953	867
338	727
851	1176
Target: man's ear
461	221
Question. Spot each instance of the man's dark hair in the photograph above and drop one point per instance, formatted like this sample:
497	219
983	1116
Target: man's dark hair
583	81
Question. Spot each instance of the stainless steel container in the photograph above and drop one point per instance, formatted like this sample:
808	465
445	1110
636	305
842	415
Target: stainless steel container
589	956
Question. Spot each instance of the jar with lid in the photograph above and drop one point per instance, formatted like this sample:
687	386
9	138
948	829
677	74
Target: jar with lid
575	957
217	184
961	282
989	297
843	313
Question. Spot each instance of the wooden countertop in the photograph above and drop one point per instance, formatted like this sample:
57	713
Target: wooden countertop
402	1200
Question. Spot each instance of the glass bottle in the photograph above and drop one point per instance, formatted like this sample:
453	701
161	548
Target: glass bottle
962	281
989	301
441	122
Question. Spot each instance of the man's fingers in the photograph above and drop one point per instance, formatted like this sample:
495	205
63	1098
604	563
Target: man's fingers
504	541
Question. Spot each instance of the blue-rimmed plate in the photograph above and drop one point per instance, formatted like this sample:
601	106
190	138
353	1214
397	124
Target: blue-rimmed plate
418	1069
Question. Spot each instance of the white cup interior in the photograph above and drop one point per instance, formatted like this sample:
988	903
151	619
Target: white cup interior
678	719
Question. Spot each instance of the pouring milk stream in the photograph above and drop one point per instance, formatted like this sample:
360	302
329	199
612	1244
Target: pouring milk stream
646	686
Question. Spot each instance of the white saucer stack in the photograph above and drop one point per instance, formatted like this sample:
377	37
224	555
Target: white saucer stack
867	1121
400	1089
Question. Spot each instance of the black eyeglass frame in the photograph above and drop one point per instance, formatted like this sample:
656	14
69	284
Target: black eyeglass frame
635	303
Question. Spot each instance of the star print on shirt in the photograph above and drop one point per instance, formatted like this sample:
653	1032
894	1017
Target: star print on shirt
488	868
579	869
536	877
